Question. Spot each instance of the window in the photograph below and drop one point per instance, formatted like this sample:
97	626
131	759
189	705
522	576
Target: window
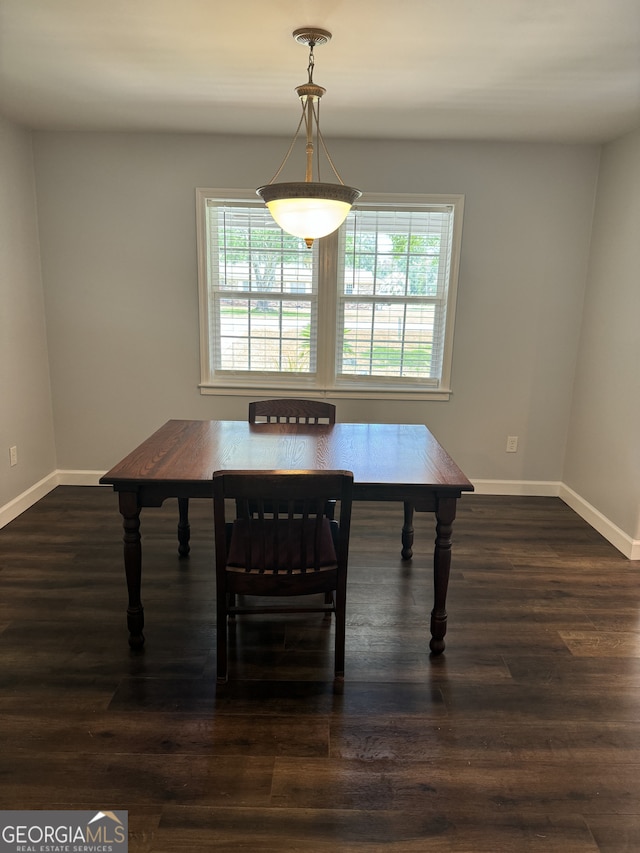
368	311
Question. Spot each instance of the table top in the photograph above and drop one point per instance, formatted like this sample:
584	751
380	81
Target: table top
380	455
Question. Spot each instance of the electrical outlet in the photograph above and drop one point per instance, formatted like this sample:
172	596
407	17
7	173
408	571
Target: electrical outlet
512	443
13	455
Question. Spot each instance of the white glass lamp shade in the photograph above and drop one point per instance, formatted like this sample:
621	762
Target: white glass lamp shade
309	210
308	217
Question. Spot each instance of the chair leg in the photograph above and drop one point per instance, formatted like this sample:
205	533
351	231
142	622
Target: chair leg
341	618
221	639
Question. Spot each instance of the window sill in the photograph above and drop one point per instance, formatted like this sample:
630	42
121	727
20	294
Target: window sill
337	393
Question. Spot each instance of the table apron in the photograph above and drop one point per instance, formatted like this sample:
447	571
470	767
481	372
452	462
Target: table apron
424	498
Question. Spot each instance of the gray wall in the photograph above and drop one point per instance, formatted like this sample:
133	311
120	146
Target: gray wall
116	219
603	453
117	216
26	419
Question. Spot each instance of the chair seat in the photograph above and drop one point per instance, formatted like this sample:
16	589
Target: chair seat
281	546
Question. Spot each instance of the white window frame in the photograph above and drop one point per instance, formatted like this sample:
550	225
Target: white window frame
324	382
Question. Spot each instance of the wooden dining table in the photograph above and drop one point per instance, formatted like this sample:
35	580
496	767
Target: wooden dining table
390	462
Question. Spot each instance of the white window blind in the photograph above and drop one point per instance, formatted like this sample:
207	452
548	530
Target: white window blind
263	293
393	292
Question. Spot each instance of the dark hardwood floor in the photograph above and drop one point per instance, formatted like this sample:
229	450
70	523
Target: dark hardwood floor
524	736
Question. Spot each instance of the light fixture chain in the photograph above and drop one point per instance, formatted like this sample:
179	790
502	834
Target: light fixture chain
312	62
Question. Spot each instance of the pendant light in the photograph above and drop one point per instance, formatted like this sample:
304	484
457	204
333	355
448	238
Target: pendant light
309	209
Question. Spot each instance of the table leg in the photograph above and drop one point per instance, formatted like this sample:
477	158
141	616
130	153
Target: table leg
407	532
184	530
130	511
445	515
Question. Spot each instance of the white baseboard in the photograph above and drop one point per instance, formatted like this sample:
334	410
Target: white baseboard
618	538
28	498
80	478
622	541
530	488
32	495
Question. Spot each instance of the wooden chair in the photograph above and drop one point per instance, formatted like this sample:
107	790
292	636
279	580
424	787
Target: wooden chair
289	549
292	411
295	411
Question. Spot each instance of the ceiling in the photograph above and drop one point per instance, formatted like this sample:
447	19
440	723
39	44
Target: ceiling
534	70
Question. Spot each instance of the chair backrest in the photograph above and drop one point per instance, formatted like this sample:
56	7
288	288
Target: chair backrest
292	411
279	526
